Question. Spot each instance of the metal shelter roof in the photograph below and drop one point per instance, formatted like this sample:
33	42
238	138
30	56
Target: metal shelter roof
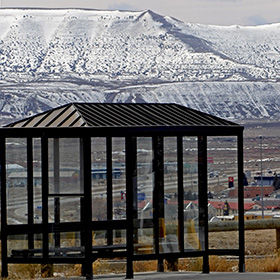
121	115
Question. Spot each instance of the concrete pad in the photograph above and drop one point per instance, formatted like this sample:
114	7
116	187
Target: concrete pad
184	276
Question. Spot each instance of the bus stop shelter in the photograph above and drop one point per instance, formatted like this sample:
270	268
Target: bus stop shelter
86	181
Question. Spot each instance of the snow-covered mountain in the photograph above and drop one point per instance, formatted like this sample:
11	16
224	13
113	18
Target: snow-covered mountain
51	57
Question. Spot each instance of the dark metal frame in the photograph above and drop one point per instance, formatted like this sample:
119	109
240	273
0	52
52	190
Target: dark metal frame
86	225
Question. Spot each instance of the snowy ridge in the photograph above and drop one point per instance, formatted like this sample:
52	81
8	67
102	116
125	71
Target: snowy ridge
52	57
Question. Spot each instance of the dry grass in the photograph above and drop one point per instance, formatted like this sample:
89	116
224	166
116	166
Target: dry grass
268	264
190	264
260	248
218	264
260	242
24	271
257	242
140	266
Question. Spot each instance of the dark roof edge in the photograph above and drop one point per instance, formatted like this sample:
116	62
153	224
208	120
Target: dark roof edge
27	119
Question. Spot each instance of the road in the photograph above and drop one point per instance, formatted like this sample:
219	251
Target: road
17	196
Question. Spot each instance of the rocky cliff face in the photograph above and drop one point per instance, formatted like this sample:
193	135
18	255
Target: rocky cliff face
52	57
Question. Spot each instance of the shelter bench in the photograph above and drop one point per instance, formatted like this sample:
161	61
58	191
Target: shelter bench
67	251
101	250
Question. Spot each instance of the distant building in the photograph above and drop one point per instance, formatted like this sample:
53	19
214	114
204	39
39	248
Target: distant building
269	204
264	180
233	207
19	179
252	191
13	167
102	173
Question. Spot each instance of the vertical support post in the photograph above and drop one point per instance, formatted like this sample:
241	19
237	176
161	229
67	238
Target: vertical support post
158	197
56	174
131	202
82	202
45	193
180	192
30	195
4	237
87	225
277	239
241	202
203	199
109	188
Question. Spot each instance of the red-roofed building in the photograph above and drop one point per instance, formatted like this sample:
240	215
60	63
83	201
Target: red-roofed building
216	204
252	191
233	207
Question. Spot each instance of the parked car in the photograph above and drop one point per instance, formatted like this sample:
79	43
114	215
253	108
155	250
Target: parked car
21	184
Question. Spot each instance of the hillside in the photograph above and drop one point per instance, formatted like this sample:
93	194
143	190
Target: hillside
52	57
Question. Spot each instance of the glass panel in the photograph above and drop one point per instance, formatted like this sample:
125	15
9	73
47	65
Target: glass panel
191	213
70	239
99	179
16	169
65	244
170	242
119	237
119	183
223	190
37	180
145	185
99	237
18	245
68	209
64	179
64	166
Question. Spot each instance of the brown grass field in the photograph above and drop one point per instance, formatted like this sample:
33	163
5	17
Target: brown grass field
260	248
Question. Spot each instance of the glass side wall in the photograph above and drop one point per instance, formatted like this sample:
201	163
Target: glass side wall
222	190
70	241
119	182
171	242
99	179
17	194
191	211
37	180
64	166
99	187
145	187
16	243
64	179
119	187
16	178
